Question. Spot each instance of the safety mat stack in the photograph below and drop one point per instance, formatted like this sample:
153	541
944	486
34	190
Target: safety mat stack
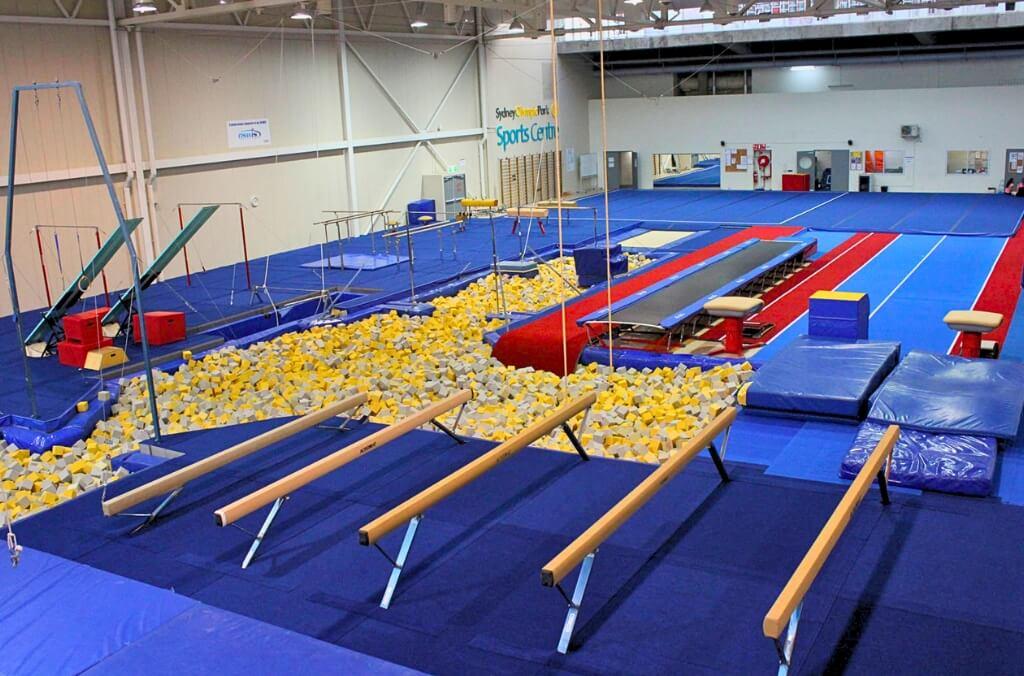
953	412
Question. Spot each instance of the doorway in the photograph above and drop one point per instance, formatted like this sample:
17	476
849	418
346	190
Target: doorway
829	169
621	170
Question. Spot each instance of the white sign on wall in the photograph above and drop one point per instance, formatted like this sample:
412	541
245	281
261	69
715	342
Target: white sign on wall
248	133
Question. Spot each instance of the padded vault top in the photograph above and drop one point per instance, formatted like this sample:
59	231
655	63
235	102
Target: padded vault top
943	393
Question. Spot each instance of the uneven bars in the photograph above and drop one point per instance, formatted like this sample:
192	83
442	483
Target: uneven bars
175	481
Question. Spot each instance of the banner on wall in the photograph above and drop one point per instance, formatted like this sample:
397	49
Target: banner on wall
248	133
856	160
523	126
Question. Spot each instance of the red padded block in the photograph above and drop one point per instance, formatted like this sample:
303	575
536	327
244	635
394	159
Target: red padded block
162	327
796	182
84	328
73	354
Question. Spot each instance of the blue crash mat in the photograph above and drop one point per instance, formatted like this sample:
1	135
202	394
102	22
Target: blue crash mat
822	377
942	393
948	463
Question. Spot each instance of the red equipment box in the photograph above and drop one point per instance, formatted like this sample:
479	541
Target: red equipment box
73	354
796	182
84	328
162	328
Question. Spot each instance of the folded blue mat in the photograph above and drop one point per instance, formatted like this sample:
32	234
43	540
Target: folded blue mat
948	463
942	393
822	377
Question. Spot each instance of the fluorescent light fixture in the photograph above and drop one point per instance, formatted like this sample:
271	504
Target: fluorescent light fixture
143	7
802	67
301	13
516	26
418	22
633	2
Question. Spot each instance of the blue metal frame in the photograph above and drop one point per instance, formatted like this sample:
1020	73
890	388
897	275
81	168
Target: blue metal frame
121	224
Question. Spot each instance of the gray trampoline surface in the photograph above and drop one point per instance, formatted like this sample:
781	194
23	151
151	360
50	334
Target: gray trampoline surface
665	302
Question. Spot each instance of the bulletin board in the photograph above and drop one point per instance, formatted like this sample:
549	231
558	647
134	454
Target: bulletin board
737	160
588	165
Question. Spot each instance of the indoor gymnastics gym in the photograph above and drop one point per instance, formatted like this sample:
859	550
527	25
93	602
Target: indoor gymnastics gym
595	337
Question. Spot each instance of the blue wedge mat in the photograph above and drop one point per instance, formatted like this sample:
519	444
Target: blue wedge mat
943	393
948	463
822	377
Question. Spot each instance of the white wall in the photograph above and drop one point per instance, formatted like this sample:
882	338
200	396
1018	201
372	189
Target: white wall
973	118
197	82
519	74
905	75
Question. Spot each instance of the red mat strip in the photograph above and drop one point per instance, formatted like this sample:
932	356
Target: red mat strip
788	301
1002	290
539	343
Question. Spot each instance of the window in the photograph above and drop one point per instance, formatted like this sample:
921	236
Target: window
967	162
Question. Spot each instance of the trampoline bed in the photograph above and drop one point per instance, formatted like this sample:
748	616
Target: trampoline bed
682	295
813	377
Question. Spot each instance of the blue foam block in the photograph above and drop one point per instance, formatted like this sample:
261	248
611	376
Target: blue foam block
822	377
943	393
833	317
948	463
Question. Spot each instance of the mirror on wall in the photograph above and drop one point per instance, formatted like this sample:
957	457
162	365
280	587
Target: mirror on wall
688	170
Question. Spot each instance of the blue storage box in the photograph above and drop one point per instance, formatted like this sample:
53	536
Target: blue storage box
839	314
592	264
419	208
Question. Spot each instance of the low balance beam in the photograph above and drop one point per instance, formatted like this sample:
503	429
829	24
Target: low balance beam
584	548
784	615
411	511
279	491
173	483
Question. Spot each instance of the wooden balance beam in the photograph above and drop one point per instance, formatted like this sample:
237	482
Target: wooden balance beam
784	615
411	511
584	548
173	483
279	491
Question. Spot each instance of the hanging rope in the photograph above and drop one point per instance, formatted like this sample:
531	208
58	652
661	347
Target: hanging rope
558	185
604	154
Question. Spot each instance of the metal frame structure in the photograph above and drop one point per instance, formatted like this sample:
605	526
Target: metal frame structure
42	261
122	225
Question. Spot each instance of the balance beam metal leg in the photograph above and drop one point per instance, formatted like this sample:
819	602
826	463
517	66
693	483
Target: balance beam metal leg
883	486
343	427
399	563
574	603
263	532
151	516
717	459
444	428
785	649
574	441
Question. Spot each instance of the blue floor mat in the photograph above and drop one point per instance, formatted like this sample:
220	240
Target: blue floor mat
816	453
206	640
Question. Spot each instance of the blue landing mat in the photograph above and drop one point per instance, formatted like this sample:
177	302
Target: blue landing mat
358	261
206	640
61	617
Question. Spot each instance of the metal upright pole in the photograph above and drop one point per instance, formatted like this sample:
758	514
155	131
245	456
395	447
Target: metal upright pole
132	255
8	260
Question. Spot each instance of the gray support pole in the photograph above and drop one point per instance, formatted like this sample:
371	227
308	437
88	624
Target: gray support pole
132	255
8	261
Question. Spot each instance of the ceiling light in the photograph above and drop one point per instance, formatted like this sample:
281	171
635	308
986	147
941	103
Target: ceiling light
143	7
301	13
802	67
516	26
418	22
633	2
